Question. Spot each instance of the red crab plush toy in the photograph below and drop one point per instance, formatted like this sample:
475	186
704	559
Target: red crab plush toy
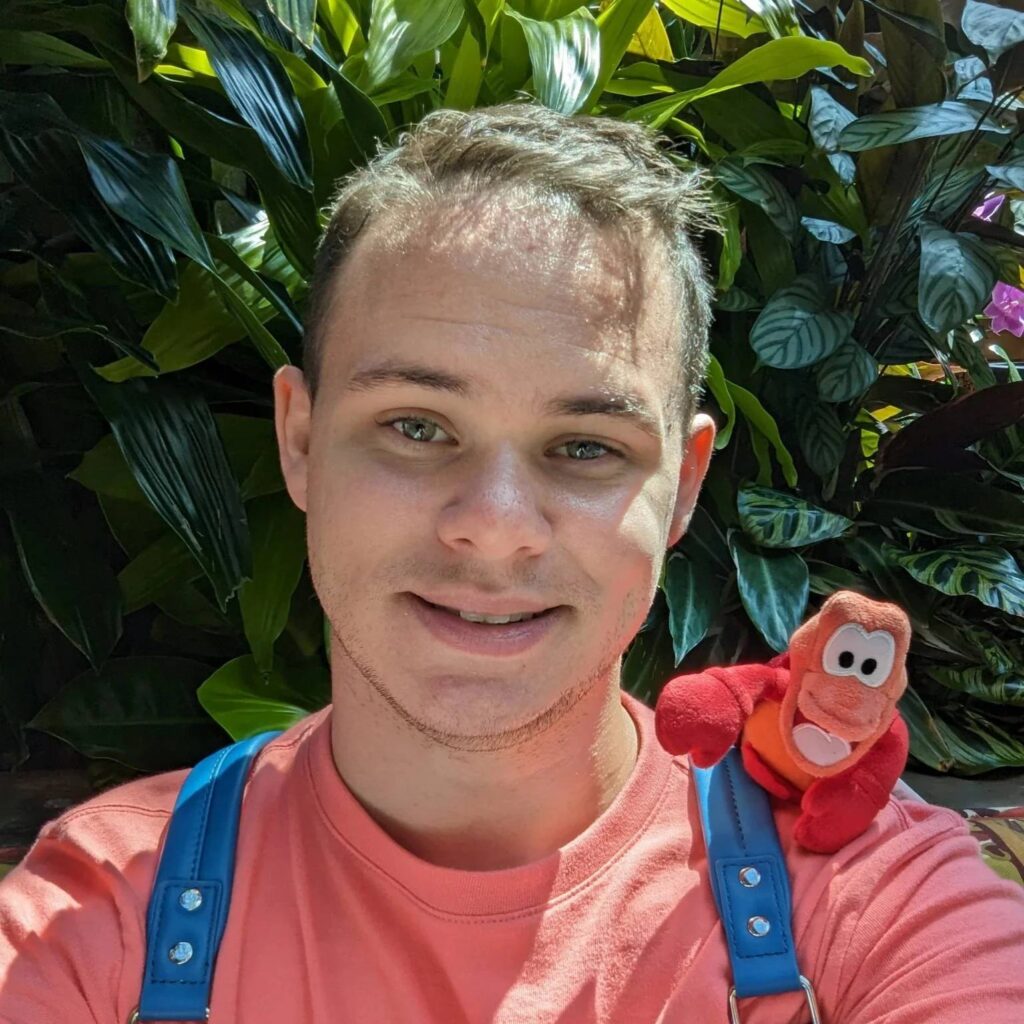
817	725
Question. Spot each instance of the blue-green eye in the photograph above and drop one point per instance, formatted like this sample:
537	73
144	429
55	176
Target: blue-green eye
425	431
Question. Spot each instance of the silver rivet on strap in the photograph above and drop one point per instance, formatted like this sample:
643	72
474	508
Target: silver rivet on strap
749	877
759	926
180	953
191	899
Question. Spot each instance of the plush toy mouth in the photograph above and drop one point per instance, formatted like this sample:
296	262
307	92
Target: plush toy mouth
817	745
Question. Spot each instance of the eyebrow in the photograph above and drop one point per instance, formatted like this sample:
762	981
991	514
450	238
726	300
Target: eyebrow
623	406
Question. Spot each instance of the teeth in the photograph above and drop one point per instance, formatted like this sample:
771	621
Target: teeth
495	619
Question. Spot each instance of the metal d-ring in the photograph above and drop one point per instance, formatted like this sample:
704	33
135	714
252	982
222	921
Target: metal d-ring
734	1010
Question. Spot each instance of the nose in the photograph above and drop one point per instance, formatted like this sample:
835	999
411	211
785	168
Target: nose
497	508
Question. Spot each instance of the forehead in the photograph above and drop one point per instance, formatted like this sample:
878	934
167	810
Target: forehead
509	277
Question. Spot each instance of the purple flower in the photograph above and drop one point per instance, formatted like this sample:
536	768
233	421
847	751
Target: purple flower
1006	309
989	208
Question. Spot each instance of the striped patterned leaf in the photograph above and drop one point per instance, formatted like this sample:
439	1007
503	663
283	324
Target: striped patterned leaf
980	682
403	29
989	574
827	120
1011	175
565	56
692	592
775	519
847	373
956	277
996	27
774	587
822	438
297	16
895	126
795	329
827	230
764	191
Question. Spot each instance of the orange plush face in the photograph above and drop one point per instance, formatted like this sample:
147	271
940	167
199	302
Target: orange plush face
847	671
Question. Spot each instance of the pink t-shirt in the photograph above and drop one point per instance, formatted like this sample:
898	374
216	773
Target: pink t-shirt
331	920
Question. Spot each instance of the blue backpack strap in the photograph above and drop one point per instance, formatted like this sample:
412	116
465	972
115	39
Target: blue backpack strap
188	906
750	883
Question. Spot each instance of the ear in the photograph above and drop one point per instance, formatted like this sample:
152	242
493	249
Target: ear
292	416
699	446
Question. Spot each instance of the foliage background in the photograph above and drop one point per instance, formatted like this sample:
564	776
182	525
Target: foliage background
165	171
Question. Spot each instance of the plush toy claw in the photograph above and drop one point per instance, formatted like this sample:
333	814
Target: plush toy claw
817	725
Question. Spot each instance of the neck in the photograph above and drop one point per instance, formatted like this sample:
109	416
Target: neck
482	810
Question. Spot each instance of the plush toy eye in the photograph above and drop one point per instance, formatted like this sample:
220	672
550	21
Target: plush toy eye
852	651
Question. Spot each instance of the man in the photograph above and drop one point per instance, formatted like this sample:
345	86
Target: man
506	339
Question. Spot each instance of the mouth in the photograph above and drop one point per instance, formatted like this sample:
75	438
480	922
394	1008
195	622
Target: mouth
492	638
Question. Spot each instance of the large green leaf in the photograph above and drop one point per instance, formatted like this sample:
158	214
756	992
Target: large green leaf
278	534
199	324
403	29
298	16
777	60
147	190
617	24
260	91
68	577
565	56
50	163
991	575
719	388
797	328
1010	175
956	277
764	423
727	16
775	519
996	28
164	563
245	702
152	23
918	499
139	711
979	681
872	131
37	48
847	373
774	588
763	189
693	598
170	441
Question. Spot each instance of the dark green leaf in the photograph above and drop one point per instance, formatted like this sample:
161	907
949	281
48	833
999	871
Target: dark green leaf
147	190
764	423
245	702
278	535
298	16
774	587
847	373
774	519
163	564
765	191
170	441
261	92
141	712
67	575
978	681
693	599
956	278
915	499
1010	175
896	126
36	48
991	575
827	230
822	438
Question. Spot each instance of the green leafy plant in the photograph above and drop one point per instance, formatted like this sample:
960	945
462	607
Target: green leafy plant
164	169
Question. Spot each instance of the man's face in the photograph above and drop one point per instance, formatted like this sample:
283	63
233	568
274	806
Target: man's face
489	494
